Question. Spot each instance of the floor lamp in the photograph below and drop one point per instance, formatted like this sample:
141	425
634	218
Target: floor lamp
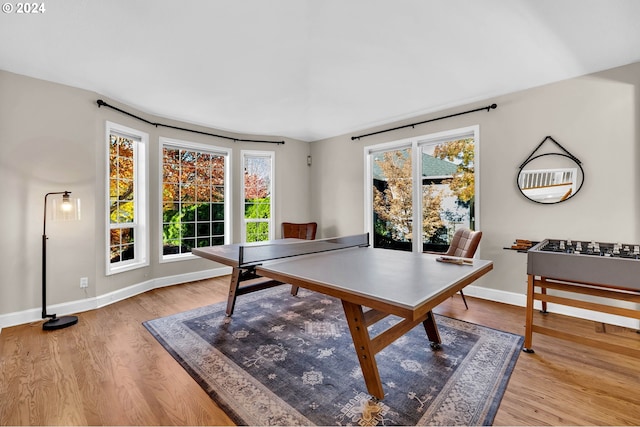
67	211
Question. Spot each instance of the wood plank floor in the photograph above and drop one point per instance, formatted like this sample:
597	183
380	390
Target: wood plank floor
108	370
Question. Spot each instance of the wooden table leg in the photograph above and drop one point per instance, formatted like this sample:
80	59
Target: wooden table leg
432	330
233	289
364	350
528	336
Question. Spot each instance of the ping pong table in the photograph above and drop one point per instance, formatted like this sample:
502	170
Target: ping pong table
372	284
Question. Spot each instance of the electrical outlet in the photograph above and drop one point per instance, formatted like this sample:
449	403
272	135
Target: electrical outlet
84	282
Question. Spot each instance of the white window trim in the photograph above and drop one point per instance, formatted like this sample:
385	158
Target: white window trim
177	143
141	154
243	220
415	143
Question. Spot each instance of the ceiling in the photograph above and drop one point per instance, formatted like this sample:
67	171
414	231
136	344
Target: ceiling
312	69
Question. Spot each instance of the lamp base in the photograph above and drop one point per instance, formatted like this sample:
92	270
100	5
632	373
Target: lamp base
59	323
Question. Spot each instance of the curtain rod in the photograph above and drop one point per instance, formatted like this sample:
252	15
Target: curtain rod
488	108
101	103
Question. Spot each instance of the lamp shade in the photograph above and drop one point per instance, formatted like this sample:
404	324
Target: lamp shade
66	208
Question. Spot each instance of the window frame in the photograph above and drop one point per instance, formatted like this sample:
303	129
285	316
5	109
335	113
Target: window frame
141	191
210	149
415	144
272	156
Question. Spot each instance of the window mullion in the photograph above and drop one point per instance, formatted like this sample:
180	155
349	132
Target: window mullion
417	197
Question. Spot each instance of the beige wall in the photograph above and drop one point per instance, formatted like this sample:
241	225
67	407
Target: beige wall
47	135
53	139
596	117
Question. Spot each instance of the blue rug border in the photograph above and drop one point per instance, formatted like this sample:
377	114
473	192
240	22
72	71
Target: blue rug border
231	413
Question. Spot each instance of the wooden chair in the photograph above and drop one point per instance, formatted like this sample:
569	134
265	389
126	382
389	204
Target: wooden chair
306	231
464	245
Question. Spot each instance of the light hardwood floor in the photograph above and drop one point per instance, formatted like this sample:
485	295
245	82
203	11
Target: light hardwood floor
108	370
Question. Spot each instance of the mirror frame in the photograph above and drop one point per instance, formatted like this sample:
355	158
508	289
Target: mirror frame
530	159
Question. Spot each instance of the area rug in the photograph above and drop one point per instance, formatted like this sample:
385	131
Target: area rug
289	360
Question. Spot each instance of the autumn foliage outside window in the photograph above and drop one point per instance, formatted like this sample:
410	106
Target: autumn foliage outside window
257	197
122	213
193	196
447	179
393	196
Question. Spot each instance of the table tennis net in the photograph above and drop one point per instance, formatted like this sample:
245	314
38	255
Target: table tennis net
254	254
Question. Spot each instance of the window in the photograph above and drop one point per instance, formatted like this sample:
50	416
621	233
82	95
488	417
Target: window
448	189
257	190
393	198
195	202
430	181
127	237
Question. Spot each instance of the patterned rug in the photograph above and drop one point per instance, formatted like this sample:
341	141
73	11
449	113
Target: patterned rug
285	360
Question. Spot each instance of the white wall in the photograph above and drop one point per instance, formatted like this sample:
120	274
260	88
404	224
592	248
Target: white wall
53	139
595	117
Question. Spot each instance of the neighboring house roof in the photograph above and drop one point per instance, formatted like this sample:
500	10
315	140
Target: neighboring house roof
431	167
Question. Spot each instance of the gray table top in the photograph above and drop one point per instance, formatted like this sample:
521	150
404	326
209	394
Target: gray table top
402	279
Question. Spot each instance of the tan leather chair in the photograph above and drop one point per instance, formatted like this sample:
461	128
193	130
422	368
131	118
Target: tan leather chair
464	245
305	231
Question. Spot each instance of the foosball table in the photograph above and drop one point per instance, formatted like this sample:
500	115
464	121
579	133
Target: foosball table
604	270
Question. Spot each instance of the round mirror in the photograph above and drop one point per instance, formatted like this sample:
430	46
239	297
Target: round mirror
550	178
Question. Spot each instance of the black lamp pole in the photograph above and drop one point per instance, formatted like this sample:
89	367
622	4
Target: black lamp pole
54	322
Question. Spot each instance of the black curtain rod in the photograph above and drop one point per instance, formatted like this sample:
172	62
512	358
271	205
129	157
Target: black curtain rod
488	108
101	103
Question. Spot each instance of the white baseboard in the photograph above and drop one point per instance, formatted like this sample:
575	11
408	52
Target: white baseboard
521	301
128	292
78	306
512	298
